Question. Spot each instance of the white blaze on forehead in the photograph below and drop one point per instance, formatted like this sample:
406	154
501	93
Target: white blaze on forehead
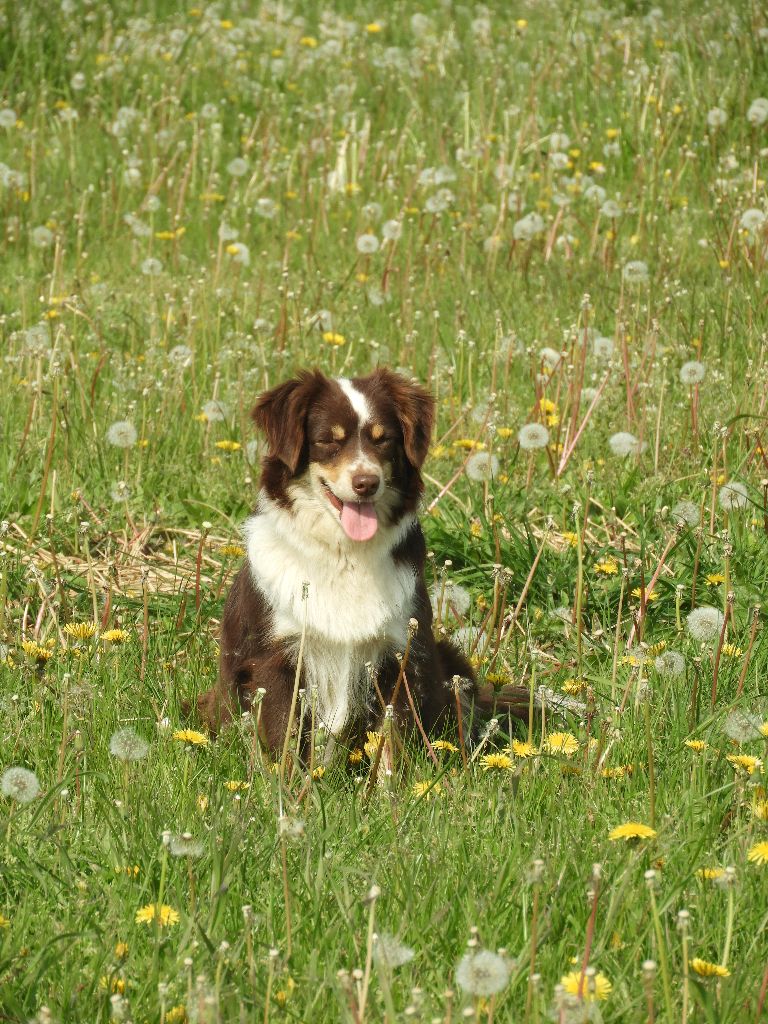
356	398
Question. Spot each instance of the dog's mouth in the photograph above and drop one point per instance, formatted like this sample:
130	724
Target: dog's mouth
358	518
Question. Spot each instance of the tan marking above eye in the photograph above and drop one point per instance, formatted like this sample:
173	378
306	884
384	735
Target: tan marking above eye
338	433
377	431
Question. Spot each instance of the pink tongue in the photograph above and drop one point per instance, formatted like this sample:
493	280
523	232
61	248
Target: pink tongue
359	520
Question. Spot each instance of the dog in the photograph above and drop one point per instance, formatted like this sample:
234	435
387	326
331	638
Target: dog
334	572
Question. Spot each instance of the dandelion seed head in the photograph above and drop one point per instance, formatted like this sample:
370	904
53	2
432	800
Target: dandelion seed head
122	434
624	444
185	845
705	623
741	726
670	663
602	347
686	512
716	117
482	973
692	372
127	745
528	227
214	411
757	112
752	219
151	267
180	356
20	784
482	466
237	167
635	272
533	436
733	496
367	244
390	953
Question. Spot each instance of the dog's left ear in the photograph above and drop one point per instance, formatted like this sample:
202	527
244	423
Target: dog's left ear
416	411
282	414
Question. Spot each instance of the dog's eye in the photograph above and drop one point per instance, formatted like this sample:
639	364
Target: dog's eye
327	448
381	441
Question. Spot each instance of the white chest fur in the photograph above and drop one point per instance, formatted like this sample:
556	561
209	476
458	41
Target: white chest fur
358	600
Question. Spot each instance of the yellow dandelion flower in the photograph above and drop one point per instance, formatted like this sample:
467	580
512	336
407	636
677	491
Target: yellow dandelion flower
212	197
709	874
333	338
573	687
468	444
476	528
764	729
547	405
619	771
561	743
308	41
522	749
653	595
372	740
228	446
632	830
319	772
492	762
176	1014
745	763
202	803
504	432
428	790
589	988
160	913
198	739
705	969
5	922
115	636
231	551
355	756
373	27
758	854
760	810
236	785
714	579
570	538
445	746
609	567
121	950
732	651
697	746
35	651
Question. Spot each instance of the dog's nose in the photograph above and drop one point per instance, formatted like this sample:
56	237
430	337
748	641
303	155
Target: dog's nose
365	485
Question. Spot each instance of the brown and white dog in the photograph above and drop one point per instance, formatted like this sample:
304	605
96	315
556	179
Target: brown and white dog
336	520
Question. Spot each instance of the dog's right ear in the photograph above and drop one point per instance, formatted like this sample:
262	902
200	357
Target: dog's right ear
282	414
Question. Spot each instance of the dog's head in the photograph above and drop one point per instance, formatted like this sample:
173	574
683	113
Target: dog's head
358	445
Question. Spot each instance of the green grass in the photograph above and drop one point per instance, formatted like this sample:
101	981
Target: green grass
89	336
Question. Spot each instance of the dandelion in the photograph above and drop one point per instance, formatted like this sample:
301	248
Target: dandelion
495	762
122	434
266	207
760	810
741	726
624	444
371	745
237	167
445	747
367	244
714	579
20	784
533	436
520	748
115	636
758	854
160	913
716	117
37	653
196	739
752	220
426	789
561	743
240	253
746	763
214	411
631	830
482	466
528	227
389	953
650	595
392	230
7	118
635	272
692	372
231	551
127	745
710	874
705	623
671	664
228	446
686	512
41	237
236	785
602	347
593	986
482	973
705	969
757	112
697	746
733	496
151	267
185	845
180	356
120	491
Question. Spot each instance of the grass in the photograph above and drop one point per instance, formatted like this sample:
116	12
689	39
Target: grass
183	192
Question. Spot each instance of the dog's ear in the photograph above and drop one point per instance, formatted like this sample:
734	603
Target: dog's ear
282	414
415	409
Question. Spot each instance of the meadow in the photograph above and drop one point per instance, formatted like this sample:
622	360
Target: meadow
554	215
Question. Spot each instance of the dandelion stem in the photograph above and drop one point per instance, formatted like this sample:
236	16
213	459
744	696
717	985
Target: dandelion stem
661	952
729	919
